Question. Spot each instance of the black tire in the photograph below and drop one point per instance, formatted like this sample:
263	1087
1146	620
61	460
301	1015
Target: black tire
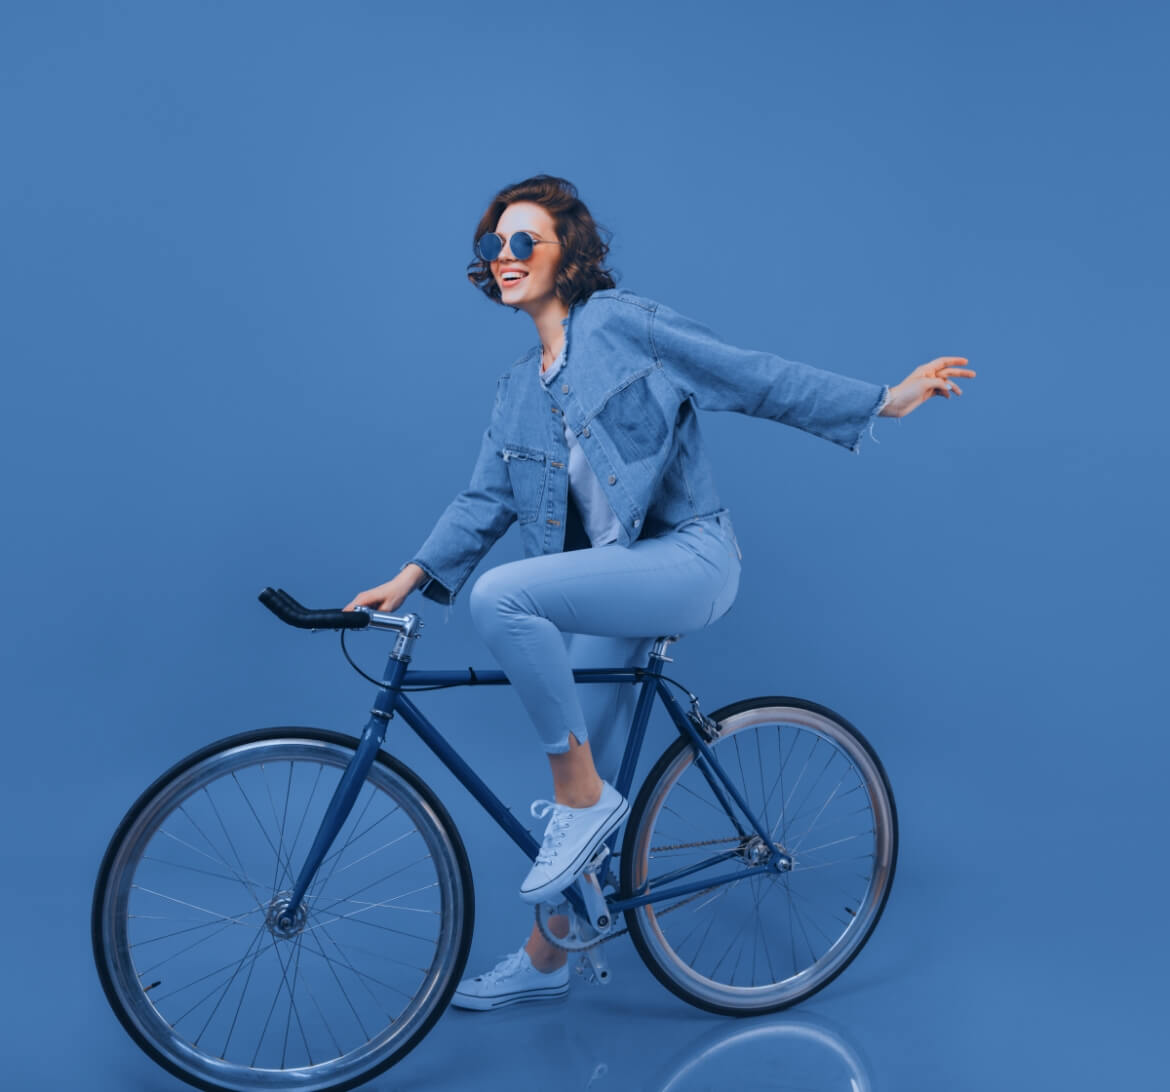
189	842
676	822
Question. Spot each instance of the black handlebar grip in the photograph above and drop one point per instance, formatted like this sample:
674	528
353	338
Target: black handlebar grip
288	610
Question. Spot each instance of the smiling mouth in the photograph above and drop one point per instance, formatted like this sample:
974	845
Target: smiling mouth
512	278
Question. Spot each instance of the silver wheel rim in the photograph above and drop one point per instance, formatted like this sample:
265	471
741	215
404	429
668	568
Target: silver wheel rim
194	948
765	942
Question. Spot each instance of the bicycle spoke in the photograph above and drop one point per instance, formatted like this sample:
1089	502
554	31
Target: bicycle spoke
385	904
341	987
216	860
188	868
241	874
169	995
190	905
254	942
828	800
717	808
373	883
180	932
259	823
293	1010
206	938
364	977
760	771
306	811
240	1004
281	865
382	848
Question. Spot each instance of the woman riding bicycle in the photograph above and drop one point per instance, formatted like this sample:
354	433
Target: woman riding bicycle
594	448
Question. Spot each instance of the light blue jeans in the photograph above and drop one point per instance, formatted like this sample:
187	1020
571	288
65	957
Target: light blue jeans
603	607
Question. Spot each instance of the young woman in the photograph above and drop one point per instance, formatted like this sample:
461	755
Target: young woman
594	448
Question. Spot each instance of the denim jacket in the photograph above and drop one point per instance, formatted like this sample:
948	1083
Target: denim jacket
634	374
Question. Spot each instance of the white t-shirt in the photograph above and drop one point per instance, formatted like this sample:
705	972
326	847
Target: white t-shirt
601	525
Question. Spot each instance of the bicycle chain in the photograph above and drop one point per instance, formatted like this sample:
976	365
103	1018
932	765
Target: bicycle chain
602	938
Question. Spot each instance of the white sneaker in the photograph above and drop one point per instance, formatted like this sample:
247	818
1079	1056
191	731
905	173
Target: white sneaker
509	982
571	838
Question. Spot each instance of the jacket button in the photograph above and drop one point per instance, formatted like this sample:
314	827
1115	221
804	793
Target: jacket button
564	388
637	523
586	432
613	479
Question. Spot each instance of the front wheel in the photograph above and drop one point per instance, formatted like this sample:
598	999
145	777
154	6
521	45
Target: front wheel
765	941
187	916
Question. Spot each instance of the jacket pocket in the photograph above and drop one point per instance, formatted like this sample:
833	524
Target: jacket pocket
526	474
633	419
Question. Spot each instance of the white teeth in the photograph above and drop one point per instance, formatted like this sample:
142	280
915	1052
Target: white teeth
513	276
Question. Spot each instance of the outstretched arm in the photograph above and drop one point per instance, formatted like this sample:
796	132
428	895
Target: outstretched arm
924	383
719	376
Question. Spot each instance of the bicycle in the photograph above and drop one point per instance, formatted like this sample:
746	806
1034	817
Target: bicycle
293	908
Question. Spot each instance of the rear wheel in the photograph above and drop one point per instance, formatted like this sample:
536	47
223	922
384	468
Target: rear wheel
186	916
762	942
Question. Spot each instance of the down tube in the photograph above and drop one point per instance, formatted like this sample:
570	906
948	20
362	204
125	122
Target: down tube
470	780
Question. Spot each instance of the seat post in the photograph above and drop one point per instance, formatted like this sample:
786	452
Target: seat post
658	652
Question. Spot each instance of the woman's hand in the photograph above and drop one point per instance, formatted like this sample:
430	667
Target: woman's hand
925	382
391	595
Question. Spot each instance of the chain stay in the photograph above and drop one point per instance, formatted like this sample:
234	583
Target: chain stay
583	944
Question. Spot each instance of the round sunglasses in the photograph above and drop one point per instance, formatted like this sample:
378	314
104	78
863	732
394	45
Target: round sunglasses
491	245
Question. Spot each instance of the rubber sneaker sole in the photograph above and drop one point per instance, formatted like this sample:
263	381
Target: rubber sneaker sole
518	997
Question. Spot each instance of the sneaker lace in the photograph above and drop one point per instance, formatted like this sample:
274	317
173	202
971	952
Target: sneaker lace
509	964
554	833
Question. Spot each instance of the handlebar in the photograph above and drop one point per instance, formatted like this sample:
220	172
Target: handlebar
287	609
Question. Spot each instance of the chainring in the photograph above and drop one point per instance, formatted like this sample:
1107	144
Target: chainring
574	941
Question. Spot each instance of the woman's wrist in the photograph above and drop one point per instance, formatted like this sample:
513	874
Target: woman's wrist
413	575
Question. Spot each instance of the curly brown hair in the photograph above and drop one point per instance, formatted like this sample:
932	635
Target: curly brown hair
583	249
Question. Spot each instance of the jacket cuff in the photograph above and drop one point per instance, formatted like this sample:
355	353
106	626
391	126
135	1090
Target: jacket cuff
883	398
433	588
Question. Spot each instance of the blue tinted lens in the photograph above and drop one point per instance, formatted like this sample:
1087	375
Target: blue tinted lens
489	247
521	244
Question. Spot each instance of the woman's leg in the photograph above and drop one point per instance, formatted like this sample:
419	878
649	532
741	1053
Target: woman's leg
608	709
674	584
540	660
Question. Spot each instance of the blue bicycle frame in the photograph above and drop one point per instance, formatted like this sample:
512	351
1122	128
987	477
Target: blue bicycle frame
391	701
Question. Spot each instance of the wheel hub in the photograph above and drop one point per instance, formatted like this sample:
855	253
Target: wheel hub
755	852
281	924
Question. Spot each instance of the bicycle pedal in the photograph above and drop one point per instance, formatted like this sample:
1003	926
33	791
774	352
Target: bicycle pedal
597	860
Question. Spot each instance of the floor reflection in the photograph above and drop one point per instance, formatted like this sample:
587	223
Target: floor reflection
591	1048
775	1052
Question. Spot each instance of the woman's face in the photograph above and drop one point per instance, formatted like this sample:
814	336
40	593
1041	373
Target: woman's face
536	287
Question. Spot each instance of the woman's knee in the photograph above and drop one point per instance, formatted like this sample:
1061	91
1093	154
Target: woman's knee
493	595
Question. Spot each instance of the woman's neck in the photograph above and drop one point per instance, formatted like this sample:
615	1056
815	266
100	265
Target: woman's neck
552	334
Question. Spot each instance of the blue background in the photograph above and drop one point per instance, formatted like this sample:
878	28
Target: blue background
239	349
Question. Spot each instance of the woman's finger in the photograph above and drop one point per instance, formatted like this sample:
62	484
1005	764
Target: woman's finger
939	365
359	600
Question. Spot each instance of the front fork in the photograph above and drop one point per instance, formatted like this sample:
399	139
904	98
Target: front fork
346	792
